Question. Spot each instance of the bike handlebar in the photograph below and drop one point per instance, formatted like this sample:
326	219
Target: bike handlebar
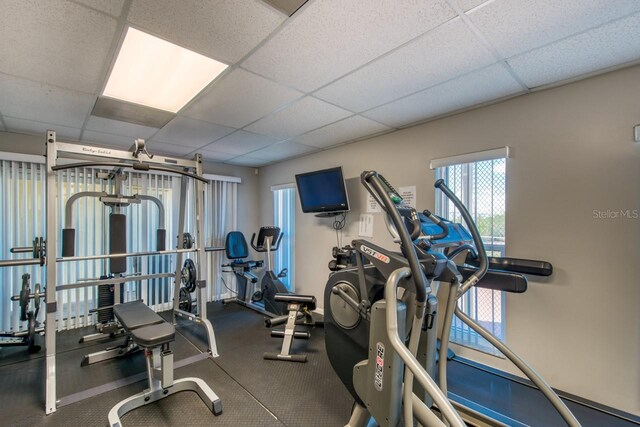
264	249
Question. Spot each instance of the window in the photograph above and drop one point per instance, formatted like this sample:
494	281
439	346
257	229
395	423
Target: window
284	217
481	186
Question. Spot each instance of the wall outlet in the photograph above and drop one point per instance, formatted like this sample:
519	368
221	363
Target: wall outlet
636	133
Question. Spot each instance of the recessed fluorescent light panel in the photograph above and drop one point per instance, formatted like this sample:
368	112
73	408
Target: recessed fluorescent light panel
153	72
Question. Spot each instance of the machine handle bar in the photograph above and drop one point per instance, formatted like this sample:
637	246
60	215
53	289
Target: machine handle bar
439	222
262	248
475	234
419	280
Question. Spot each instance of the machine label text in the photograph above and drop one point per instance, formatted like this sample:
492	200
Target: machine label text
377	255
379	366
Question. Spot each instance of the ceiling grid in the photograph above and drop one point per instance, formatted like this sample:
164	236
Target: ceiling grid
324	77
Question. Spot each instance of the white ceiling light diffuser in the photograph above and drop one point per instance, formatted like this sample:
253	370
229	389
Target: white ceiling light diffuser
153	72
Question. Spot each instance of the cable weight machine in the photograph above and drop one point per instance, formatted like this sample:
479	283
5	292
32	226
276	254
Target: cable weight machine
44	250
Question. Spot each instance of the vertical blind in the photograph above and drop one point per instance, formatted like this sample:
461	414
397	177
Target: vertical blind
22	205
284	217
481	186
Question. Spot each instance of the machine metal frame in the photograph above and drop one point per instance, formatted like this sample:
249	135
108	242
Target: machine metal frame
140	160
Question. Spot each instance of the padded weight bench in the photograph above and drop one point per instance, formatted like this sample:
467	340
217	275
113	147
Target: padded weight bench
300	308
152	333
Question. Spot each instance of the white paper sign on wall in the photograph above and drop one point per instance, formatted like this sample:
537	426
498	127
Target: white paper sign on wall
372	205
366	225
409	195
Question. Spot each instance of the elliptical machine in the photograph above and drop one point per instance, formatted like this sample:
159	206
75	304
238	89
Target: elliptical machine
379	340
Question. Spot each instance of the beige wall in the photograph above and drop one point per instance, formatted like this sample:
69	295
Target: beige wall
247	193
572	153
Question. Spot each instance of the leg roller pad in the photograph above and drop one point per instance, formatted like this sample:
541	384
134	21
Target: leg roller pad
286	358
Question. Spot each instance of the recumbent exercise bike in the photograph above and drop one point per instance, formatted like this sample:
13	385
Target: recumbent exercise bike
273	299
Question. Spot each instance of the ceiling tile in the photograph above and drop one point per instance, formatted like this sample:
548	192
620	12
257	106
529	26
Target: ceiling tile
491	83
215	156
108	139
281	151
247	161
189	132
342	131
38	128
55	42
29	100
446	52
514	27
606	46
111	7
470	4
225	30
131	130
240	98
327	39
156	147
242	142
304	115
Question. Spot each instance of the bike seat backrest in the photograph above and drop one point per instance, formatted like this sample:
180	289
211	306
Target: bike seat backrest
235	245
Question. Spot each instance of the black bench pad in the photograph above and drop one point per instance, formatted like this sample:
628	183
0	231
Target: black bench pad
135	314
146	327
308	300
154	335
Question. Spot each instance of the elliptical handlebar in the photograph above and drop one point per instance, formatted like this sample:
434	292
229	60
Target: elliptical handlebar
439	222
416	223
475	234
374	184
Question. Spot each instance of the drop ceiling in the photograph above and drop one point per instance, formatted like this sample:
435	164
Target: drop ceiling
334	72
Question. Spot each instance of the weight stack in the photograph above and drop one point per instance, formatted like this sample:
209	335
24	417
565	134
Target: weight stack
106	299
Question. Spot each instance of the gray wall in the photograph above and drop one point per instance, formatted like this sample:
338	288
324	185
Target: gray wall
247	192
572	153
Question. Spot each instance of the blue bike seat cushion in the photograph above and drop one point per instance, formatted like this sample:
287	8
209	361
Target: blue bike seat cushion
235	245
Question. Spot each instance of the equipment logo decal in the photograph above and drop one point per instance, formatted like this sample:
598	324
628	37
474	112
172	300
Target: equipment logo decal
379	366
375	254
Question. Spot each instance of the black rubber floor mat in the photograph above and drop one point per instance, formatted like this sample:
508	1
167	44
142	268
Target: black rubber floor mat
299	394
182	409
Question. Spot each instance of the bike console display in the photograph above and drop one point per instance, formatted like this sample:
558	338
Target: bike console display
266	232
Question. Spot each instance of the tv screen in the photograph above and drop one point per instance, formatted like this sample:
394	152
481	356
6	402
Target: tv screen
322	191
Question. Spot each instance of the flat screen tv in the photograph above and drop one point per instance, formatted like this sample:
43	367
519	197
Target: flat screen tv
323	191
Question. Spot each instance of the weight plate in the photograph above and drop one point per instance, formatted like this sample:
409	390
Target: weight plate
188	275
24	303
187	241
185	302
